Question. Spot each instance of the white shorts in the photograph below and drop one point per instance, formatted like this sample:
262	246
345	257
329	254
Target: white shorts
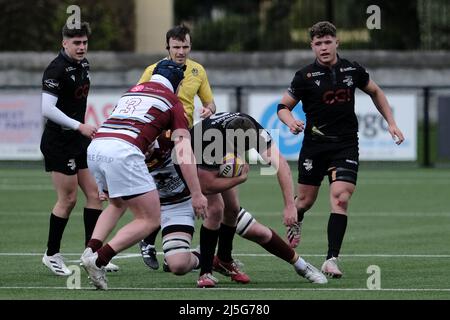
177	214
119	168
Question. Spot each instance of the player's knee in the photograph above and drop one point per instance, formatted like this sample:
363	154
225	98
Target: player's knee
304	202
342	198
179	267
176	247
244	223
68	201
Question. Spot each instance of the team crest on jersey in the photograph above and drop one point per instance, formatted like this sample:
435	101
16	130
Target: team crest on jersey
308	164
348	80
194	72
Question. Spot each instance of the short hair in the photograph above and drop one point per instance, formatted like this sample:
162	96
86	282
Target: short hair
179	33
241	122
84	30
321	29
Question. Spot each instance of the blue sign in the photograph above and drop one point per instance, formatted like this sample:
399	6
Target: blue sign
288	143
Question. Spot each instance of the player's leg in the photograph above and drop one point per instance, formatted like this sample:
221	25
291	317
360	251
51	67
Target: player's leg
178	221
224	262
342	176
66	188
93	207
311	170
209	235
267	238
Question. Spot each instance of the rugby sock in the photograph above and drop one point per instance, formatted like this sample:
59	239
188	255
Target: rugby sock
55	233
105	254
300	214
94	244
208	242
90	217
300	264
337	224
225	246
279	247
151	238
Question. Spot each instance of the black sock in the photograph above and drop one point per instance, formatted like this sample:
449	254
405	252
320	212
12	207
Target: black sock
337	224
208	242
55	233
151	238
90	217
300	214
226	235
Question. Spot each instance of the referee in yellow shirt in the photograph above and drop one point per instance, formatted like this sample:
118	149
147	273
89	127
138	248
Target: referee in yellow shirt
179	43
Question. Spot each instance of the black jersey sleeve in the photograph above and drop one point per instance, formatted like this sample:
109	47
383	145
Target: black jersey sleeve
362	76
297	86
52	79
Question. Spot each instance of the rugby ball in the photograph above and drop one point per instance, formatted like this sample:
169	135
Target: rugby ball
231	167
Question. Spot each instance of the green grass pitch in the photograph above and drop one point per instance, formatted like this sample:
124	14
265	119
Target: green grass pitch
399	221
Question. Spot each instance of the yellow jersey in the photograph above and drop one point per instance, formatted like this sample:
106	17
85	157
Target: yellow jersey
195	82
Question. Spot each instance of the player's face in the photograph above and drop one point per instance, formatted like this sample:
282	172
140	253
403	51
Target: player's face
325	49
76	47
179	50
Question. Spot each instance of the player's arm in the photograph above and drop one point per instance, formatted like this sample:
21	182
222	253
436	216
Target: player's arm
50	111
208	109
285	107
186	160
273	156
382	104
206	96
211	182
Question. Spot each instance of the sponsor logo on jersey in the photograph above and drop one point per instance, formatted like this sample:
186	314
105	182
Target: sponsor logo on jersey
85	64
70	68
314	74
347	69
51	83
194	72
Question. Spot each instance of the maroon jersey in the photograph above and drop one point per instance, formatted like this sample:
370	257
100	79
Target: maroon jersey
142	113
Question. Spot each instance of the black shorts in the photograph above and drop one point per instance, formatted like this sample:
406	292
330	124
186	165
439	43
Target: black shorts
318	159
64	151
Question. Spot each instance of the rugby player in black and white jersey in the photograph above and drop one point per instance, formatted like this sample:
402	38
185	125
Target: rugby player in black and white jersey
65	87
237	133
330	145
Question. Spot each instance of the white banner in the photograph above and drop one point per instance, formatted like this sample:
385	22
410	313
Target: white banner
20	127
375	141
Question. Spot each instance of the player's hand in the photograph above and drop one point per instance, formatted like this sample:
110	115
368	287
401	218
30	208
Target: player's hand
200	205
87	130
103	196
205	113
289	215
296	126
396	134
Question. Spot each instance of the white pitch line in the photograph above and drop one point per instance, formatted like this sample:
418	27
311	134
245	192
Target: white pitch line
375	255
240	289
